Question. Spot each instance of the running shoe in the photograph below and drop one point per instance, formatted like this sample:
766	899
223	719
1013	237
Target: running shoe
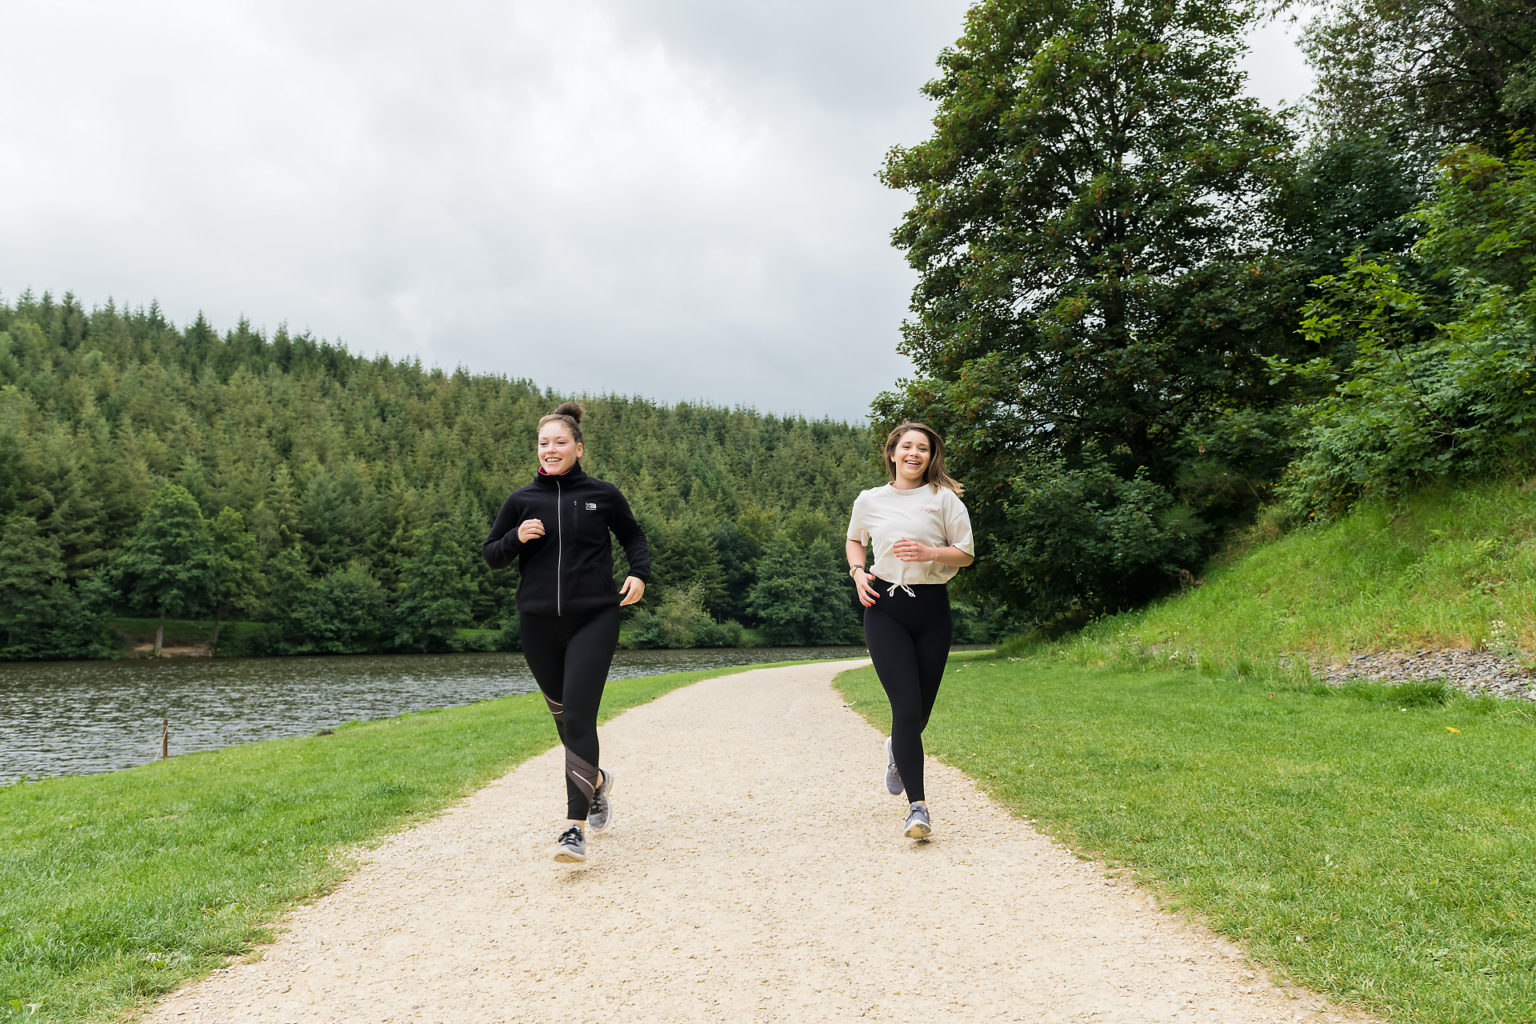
918	824
571	847
600	814
893	784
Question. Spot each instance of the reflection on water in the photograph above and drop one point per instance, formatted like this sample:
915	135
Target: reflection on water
74	718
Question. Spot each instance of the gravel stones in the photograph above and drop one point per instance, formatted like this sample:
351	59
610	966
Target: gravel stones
1475	672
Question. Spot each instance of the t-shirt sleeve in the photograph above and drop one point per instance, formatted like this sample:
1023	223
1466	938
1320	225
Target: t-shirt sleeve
858	523
957	524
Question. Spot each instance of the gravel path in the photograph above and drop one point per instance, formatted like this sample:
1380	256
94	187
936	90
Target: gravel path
755	871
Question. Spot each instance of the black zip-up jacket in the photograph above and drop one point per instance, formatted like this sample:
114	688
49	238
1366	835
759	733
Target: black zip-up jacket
570	568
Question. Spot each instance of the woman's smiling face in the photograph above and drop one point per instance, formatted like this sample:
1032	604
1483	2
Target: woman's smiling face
557	449
911	457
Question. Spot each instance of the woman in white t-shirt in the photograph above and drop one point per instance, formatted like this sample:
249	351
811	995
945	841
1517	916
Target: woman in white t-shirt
921	536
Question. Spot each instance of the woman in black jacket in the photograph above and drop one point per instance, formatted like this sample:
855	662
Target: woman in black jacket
568	608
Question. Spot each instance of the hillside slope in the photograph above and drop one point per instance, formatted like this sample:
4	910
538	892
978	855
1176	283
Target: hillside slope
1447	569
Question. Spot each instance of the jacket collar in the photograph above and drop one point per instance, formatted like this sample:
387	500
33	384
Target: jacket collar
570	476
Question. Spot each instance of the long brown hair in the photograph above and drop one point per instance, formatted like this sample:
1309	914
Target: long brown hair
934	474
570	413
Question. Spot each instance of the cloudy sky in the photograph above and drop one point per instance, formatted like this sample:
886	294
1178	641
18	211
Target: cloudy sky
669	198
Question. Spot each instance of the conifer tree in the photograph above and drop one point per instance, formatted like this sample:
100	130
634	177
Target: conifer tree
31	571
236	568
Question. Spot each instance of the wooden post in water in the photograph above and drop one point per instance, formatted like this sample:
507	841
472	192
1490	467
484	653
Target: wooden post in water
165	738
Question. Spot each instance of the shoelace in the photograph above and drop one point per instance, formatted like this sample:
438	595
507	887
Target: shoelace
903	586
570	835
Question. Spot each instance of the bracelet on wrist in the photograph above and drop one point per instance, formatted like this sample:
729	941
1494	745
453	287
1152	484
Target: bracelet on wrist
856	568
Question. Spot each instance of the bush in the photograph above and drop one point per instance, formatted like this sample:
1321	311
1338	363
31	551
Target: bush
510	638
719	634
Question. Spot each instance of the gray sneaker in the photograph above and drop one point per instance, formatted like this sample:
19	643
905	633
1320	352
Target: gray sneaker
893	784
571	847
600	813
918	824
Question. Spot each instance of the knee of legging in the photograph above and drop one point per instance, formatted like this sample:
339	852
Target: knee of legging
577	733
907	720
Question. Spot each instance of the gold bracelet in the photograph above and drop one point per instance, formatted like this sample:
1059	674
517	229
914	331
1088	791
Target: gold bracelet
856	568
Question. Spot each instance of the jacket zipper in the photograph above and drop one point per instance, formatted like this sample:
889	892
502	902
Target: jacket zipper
559	545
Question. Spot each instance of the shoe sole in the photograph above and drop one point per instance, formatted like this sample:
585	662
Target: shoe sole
599	829
917	830
570	857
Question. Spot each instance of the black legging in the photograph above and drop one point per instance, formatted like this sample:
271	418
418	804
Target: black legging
908	639
569	656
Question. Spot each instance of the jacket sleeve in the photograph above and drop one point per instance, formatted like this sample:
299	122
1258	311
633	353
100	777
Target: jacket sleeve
501	547
631	537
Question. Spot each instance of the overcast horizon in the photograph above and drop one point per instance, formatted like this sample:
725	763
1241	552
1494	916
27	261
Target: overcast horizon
660	198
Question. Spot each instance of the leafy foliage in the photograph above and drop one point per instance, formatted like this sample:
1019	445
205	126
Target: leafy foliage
1427	73
1442	378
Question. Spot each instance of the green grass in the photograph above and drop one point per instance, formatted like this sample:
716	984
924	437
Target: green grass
120	887
1442	569
1349	839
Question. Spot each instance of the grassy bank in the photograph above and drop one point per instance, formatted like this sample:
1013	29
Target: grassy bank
1373	844
1447	568
120	887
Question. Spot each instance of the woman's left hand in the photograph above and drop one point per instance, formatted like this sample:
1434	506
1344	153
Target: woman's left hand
912	551
632	590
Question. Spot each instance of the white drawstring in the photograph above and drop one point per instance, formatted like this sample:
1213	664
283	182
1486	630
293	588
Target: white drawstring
903	586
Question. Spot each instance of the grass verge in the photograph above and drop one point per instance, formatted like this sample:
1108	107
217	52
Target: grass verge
1371	843
120	887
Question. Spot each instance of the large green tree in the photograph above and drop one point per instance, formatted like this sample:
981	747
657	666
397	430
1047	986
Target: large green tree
438	587
167	565
1088	224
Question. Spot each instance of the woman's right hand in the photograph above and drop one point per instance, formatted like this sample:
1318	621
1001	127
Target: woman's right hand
867	594
528	529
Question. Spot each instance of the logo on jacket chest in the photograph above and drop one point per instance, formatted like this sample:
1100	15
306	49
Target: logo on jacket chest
590	506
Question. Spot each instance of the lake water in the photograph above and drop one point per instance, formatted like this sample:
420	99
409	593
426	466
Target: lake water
75	718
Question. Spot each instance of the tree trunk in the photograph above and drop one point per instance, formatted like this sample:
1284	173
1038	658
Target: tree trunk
213	645
160	633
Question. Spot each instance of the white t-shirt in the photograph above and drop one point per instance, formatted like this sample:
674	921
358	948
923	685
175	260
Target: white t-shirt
929	515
